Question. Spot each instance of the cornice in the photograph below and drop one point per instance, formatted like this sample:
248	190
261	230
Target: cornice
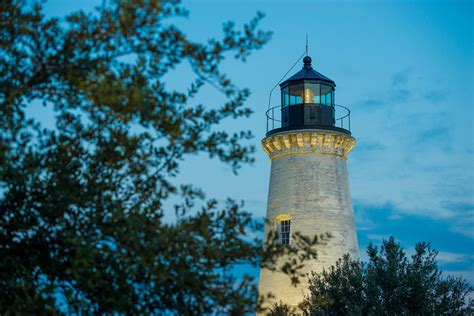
308	142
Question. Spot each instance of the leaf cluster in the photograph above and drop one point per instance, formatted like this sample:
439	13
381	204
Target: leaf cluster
389	284
83	202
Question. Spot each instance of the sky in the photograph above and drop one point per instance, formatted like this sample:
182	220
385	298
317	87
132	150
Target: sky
404	68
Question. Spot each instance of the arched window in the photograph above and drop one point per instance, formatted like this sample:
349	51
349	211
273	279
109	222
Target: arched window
284	228
285	232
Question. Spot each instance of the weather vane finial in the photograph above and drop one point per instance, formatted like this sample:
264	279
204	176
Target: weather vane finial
306	44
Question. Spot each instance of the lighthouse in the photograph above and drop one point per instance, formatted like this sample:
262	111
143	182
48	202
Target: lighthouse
308	141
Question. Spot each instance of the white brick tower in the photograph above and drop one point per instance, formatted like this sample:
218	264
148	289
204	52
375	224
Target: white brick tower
308	141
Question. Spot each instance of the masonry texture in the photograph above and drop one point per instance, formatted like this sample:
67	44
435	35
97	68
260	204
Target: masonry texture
309	183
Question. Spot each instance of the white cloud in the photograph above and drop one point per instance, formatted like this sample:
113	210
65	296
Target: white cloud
416	154
376	237
452	257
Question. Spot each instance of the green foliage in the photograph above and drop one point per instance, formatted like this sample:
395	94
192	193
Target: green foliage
389	284
281	309
82	203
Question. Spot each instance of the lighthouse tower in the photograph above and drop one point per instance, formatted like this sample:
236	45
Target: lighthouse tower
308	141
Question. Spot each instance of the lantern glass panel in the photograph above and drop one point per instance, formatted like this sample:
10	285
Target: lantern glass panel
296	94
285	96
311	93
326	94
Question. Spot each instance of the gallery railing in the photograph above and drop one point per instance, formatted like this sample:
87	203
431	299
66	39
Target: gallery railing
342	119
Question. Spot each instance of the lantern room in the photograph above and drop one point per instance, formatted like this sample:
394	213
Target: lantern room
307	87
308	102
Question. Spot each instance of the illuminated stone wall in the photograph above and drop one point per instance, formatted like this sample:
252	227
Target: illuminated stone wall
309	183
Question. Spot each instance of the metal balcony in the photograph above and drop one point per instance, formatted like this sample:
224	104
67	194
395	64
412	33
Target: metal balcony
278	119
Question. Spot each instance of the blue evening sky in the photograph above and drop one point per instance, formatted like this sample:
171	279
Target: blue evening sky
404	68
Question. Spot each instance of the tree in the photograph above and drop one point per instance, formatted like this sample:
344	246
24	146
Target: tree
281	309
82	202
389	284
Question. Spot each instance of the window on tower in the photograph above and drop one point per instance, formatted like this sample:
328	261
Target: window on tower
285	232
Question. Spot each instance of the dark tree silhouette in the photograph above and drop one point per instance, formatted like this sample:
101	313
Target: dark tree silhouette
82	202
389	284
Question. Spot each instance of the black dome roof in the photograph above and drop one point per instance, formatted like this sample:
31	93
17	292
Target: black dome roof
308	73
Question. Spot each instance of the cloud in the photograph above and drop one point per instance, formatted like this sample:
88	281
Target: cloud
452	257
455	250
412	155
439	136
371	103
463	228
394	217
369	145
401	77
435	133
403	89
462	207
397	93
377	238
435	96
364	217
